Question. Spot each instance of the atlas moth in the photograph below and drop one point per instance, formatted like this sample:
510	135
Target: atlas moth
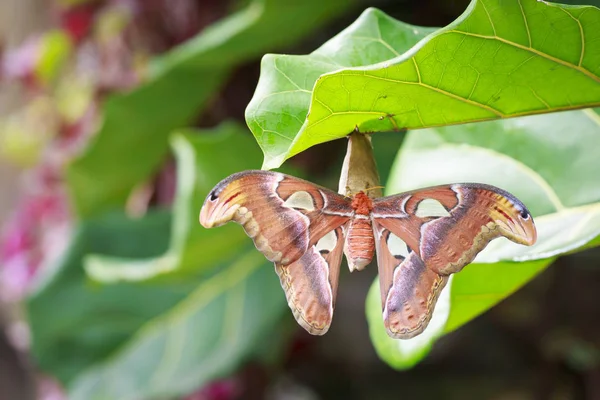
419	237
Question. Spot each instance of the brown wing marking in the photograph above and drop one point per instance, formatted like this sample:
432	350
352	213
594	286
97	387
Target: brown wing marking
409	290
282	214
310	283
458	222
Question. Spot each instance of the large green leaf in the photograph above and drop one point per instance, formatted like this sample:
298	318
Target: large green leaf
500	59
164	337
280	104
178	86
202	162
553	173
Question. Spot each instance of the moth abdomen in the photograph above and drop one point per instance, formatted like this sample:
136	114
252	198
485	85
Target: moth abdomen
360	244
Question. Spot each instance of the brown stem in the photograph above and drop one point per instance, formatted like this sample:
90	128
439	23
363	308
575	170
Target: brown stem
359	171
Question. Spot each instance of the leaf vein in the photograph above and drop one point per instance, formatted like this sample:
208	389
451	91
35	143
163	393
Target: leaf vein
441	91
530	49
489	17
525	21
580	34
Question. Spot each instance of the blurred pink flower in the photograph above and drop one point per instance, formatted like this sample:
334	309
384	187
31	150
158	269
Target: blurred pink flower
49	389
20	63
37	233
224	389
78	20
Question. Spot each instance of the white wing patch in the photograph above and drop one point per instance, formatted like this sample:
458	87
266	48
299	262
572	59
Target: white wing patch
397	246
431	208
327	242
302	200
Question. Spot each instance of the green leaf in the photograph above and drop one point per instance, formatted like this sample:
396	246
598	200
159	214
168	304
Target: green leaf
175	333
500	59
75	323
177	88
202	338
552	173
403	354
283	95
593	243
204	157
468	294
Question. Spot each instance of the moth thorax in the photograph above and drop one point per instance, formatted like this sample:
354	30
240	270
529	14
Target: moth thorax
360	244
362	204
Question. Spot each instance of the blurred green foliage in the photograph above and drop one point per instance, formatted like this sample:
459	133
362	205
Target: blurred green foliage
179	85
207	299
204	157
